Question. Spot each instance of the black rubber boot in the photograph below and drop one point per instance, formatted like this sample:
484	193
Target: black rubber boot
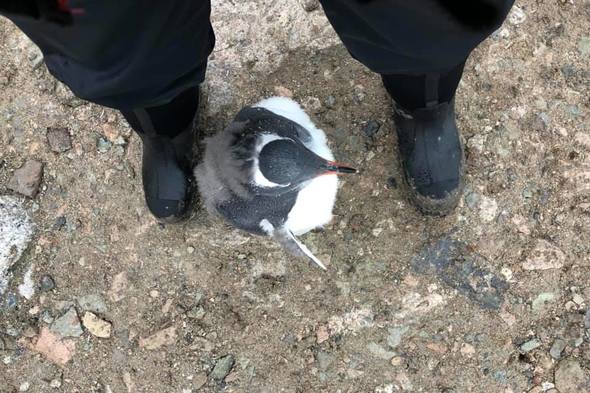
167	136
431	157
167	177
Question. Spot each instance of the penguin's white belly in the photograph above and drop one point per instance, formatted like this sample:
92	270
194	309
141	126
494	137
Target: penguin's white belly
314	204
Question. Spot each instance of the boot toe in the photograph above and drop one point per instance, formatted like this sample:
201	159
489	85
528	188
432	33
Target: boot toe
167	210
439	190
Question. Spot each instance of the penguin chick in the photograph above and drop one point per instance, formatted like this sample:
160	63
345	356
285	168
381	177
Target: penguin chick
271	173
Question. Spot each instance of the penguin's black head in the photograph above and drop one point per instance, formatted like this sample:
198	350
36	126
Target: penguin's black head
289	162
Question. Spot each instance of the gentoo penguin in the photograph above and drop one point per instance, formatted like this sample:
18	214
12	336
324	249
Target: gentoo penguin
271	173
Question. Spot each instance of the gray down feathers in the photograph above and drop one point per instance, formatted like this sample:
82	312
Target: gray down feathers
220	175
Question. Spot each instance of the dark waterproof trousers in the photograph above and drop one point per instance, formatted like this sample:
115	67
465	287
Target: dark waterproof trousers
132	54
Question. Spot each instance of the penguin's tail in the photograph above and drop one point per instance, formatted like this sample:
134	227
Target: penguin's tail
289	241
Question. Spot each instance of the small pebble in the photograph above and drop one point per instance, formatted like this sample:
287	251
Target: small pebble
27	179
472	199
282	91
501	376
103	145
530	345
46	283
196	312
312	104
159	339
377	231
557	348
55	383
392	182
24	387
222	367
310	5
110	131
93	302
11	300
568	71
200	380
67	325
371	128
395	335
96	326
578	299
59	139
59	223
46	316
584	46
37	61
542	300
396	361
330	101
324	359
516	16
527	193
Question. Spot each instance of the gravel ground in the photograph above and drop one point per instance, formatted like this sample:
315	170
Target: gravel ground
494	298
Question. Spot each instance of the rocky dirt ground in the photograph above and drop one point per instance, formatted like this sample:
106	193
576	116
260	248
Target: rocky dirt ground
97	297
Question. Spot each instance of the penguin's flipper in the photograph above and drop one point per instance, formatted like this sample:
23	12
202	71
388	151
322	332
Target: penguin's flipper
287	239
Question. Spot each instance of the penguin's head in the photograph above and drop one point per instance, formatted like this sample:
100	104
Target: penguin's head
288	162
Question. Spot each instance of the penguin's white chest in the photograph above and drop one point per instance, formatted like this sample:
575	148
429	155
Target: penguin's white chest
314	204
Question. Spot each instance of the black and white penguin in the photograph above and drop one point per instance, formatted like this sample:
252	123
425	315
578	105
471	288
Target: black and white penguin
271	173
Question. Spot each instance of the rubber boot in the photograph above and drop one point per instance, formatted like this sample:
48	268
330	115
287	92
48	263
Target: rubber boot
431	153
167	177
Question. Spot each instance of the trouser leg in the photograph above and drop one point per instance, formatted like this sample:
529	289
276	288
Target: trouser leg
169	119
127	54
412	37
411	91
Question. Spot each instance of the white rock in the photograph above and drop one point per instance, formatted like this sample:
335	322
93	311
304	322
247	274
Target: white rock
488	209
119	287
352	321
96	326
377	231
544	256
16	232
578	299
387	388
27	288
55	383
516	16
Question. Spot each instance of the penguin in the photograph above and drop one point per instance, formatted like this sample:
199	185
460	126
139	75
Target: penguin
271	173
